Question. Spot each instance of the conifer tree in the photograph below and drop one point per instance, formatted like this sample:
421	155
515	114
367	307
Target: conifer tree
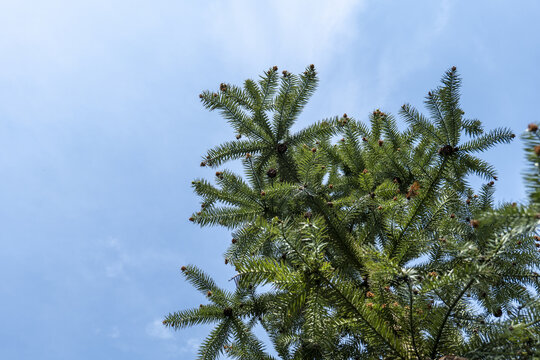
371	241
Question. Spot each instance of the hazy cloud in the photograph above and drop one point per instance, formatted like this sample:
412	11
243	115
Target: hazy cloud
156	329
114	333
247	31
191	345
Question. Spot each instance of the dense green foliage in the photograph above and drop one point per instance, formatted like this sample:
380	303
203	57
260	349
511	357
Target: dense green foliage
373	247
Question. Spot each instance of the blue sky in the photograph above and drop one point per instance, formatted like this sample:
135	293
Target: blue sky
101	132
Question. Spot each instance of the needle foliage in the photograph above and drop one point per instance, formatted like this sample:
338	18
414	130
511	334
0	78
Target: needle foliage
357	240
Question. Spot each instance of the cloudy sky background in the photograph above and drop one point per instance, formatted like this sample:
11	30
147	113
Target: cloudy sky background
101	132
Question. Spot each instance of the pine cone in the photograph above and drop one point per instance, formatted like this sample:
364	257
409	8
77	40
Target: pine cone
271	173
281	148
447	150
413	190
228	312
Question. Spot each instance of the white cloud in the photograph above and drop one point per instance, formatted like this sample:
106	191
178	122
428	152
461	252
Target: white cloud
115	268
241	31
156	329
118	259
190	346
185	350
400	58
256	33
114	333
443	16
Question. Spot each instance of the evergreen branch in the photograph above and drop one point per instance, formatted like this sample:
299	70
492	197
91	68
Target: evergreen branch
265	271
472	128
319	130
212	346
411	321
249	348
232	193
229	217
231	150
205	315
476	166
419	123
447	314
432	103
301	94
253	92
268	84
488	140
202	282
282	102
347	246
418	206
238	96
391	343
237	118
449	95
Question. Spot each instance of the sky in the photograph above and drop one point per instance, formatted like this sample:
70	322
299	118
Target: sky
102	131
